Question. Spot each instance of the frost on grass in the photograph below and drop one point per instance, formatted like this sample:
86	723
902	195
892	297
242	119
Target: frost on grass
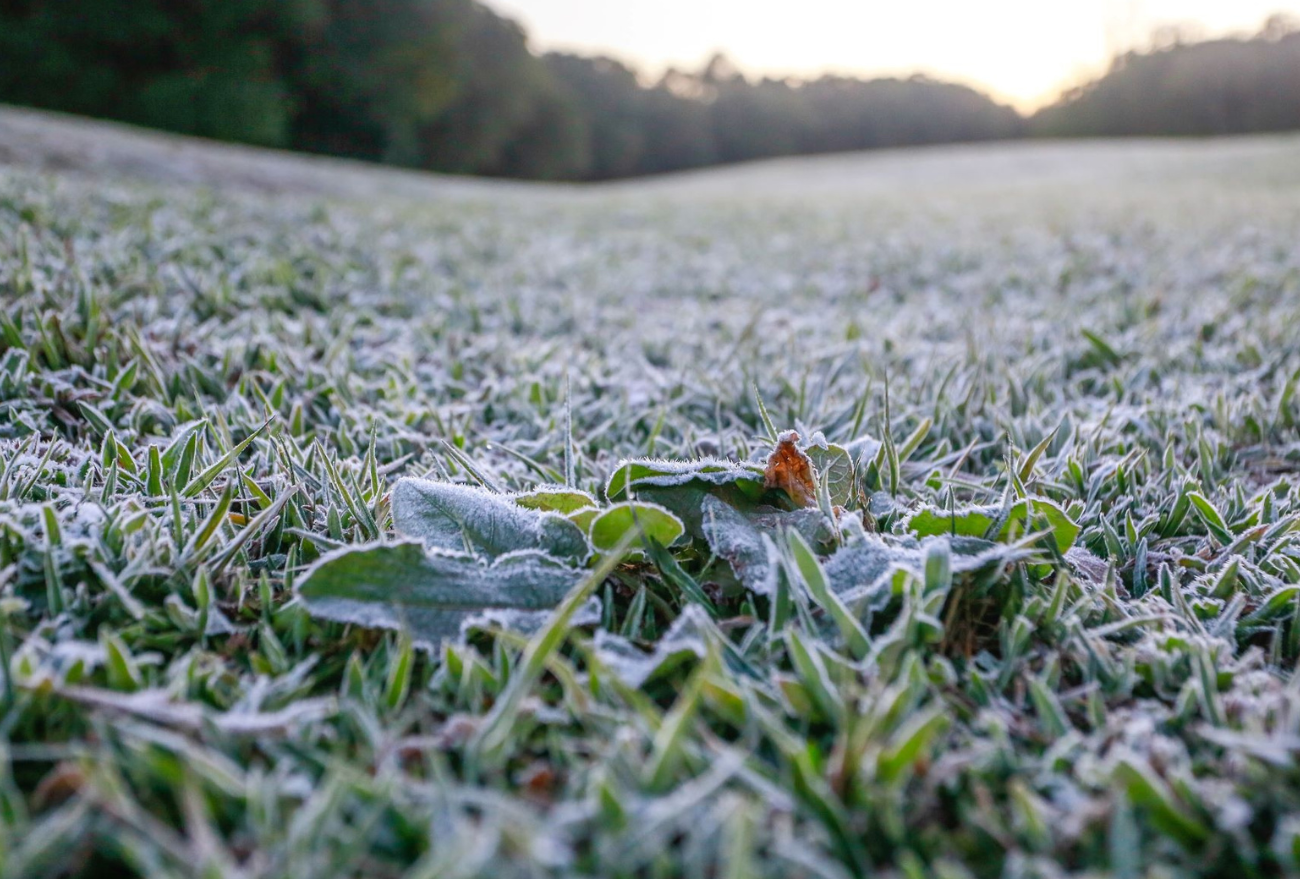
997	522
868	567
942	690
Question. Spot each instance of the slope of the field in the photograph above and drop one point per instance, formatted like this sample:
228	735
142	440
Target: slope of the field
1111	330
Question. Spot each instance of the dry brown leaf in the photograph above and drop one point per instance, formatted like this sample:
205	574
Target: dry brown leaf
790	469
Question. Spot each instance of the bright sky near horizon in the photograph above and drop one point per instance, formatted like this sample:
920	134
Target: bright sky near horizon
1020	51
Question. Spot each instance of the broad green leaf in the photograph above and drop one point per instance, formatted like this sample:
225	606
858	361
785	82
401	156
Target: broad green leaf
963	522
740	543
583	518
554	499
637	474
609	527
464	518
681	486
430	594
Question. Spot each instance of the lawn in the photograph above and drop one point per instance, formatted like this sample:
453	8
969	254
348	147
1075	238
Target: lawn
1036	614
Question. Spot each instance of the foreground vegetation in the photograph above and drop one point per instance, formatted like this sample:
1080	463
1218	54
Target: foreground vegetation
1054	631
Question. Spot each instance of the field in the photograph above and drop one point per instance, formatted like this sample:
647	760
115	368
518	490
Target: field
1040	616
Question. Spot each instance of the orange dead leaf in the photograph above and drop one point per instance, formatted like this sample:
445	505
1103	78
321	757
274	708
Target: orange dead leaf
790	469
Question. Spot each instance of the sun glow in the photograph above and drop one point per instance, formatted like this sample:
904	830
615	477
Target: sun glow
1022	52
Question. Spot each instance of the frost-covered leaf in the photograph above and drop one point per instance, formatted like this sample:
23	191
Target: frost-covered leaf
744	540
976	521
429	593
608	528
861	565
739	541
464	518
528	622
638	473
684	640
834	466
863	449
864	567
583	518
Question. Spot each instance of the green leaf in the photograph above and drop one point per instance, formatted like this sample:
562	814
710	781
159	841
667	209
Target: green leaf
740	543
1148	791
814	578
204	479
910	742
977	521
639	473
430	594
1212	518
457	517
554	499
835	467
609	527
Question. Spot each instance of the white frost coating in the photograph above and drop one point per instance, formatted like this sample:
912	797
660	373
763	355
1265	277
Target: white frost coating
736	539
862	449
685	638
158	706
865	567
460	517
527	622
659	472
744	540
431	594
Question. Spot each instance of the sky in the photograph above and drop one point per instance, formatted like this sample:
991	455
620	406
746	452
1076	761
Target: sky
1023	52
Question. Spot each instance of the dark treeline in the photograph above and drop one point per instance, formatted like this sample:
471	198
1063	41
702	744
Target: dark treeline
1231	86
448	85
717	115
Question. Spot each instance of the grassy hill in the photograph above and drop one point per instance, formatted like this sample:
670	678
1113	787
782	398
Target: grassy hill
1053	630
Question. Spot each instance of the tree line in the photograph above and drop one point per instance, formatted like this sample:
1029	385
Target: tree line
1227	86
449	85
